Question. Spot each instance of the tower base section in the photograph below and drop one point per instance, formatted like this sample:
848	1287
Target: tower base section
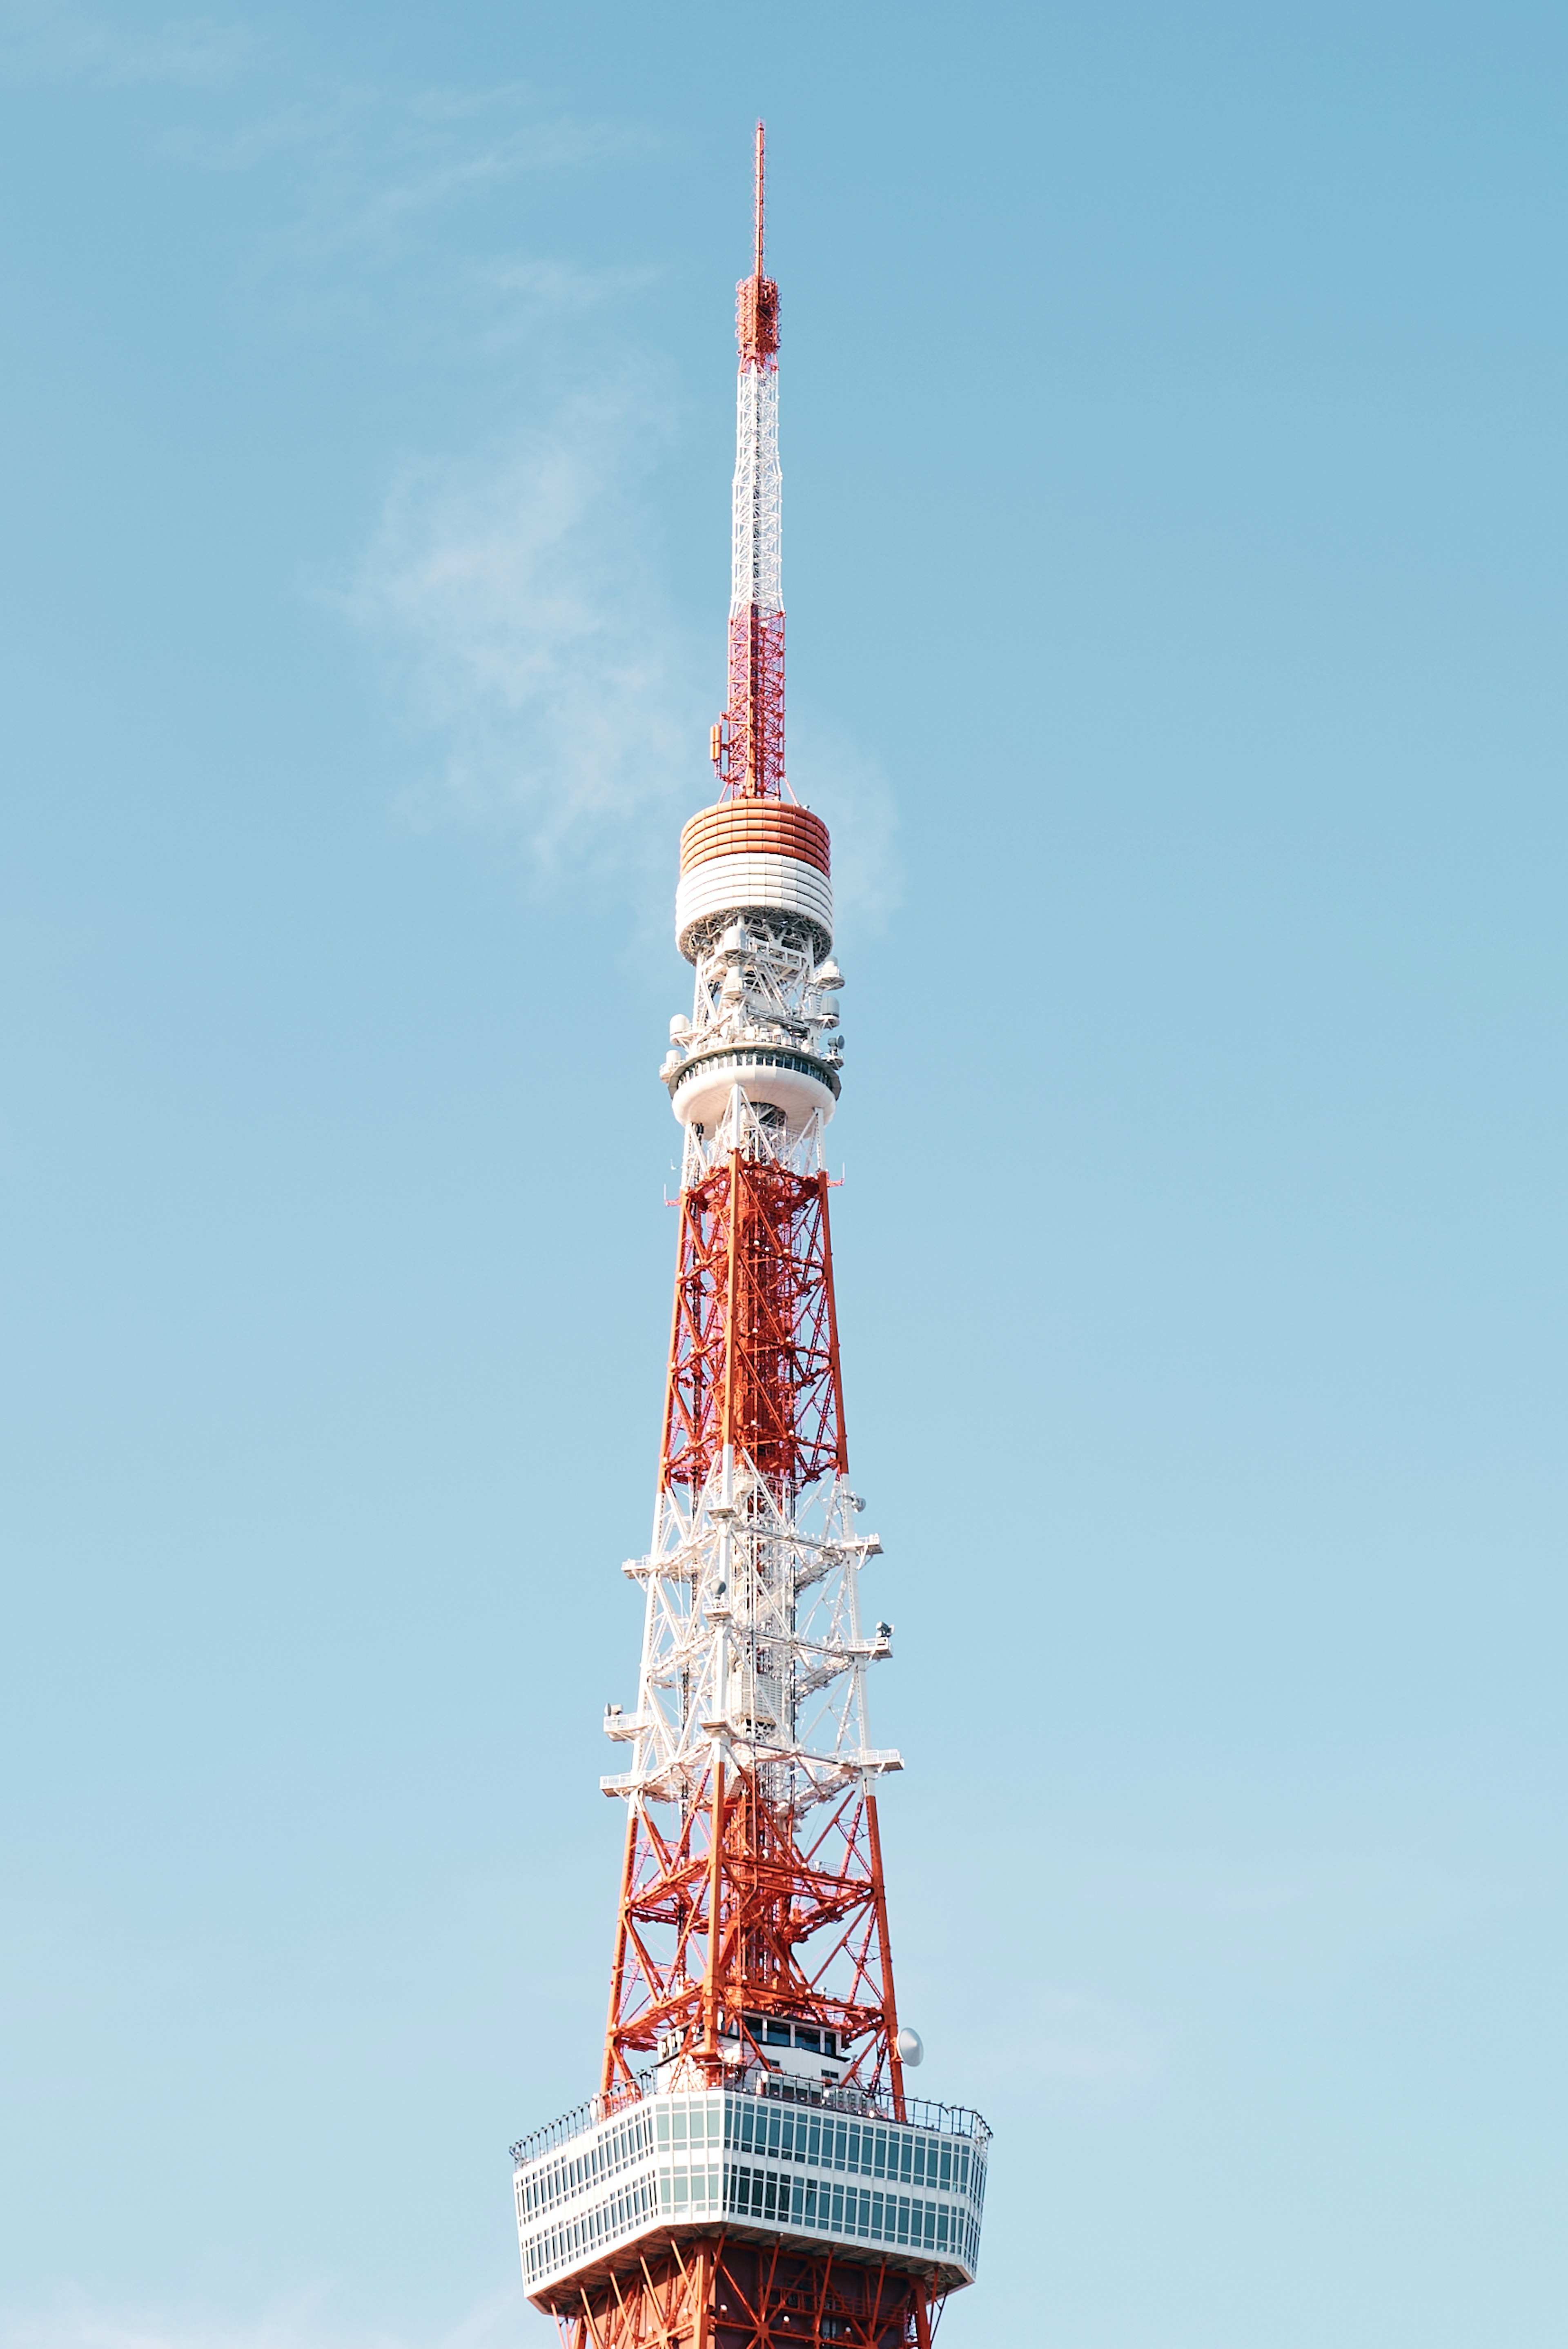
720	2293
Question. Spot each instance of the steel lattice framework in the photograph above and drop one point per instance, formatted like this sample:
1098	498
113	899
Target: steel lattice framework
753	1354
802	1924
725	2292
753	2013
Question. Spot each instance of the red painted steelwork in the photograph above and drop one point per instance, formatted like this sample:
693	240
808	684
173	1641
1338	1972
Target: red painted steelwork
802	1932
750	760
753	1349
756	296
721	2293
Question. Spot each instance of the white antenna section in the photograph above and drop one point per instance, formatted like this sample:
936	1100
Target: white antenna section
756	507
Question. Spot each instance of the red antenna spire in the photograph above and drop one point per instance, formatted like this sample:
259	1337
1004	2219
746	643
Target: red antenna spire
758	270
757	299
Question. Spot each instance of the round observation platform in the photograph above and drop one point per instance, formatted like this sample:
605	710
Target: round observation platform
799	1084
752	856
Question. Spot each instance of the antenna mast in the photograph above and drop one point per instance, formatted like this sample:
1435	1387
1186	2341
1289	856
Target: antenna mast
757	266
748	742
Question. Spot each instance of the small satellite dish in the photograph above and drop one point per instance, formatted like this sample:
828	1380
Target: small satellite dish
911	2048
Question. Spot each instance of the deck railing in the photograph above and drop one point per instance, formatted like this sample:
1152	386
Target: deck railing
949	2120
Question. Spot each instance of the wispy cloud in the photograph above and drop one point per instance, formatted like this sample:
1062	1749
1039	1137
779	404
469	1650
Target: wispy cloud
400	153
528	638
522	625
400	218
850	788
366	180
56	39
512	595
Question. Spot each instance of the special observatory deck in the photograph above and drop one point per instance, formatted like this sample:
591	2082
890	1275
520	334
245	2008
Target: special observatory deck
761	2167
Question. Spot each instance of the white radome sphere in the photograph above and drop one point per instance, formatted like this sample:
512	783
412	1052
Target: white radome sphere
911	2048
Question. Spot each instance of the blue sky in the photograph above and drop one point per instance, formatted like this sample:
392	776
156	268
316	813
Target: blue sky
1175	502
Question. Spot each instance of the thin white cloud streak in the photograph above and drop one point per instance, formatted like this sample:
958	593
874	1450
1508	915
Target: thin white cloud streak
372	168
396	214
54	40
364	173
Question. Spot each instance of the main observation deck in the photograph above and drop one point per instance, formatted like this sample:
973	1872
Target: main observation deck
768	2167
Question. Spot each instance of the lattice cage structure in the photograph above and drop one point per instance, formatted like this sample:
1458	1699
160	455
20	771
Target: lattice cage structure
751	743
754	1356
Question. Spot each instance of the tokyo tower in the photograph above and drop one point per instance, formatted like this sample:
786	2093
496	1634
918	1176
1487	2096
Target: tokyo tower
752	2171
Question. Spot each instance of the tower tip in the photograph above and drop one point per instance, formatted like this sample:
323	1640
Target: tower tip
757	267
757	297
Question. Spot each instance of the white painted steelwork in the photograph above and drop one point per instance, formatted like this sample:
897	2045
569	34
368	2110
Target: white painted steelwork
756	504
753	1646
764	1017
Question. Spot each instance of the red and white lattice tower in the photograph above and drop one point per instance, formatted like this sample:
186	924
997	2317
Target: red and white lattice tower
752	2172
